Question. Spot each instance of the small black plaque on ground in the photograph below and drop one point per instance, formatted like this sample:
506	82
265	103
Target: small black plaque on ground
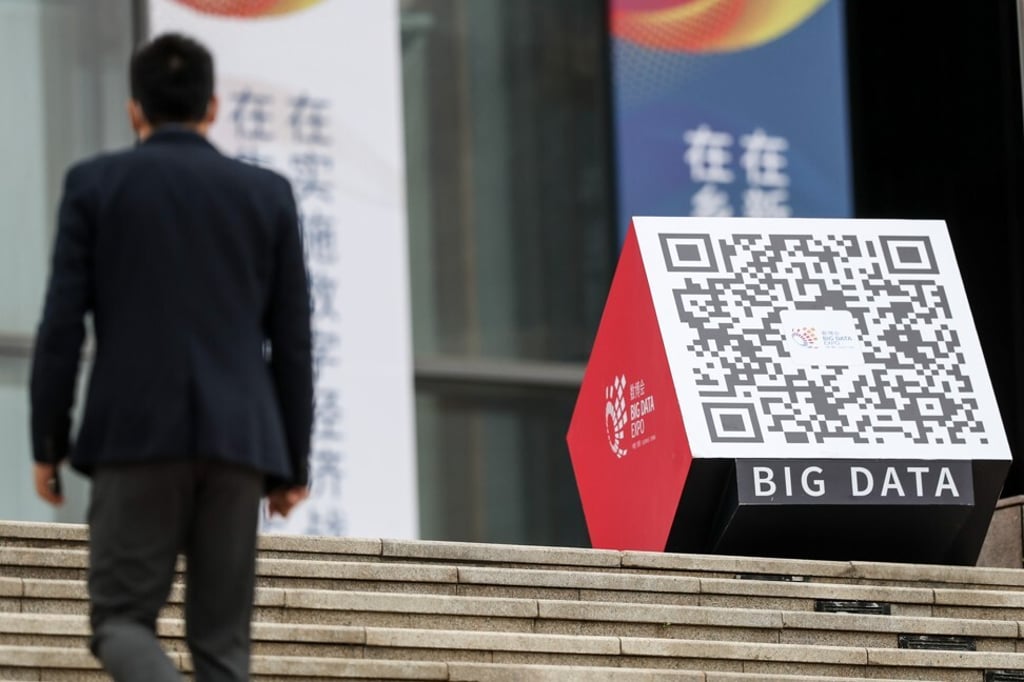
1004	676
937	642
774	577
875	608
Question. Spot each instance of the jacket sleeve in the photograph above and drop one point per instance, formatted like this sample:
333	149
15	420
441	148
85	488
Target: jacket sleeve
58	344
288	329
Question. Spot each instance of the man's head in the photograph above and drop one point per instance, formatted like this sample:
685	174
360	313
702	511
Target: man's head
171	80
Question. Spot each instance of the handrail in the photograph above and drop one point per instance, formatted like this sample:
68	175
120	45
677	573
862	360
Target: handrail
16	345
503	373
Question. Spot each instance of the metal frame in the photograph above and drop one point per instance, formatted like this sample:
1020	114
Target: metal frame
429	370
15	346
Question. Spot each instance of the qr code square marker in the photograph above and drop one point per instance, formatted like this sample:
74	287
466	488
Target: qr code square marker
733	422
688	253
930	407
909	255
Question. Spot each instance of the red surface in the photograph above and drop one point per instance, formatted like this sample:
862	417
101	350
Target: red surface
238	8
706	25
649	5
655	25
630	501
246	9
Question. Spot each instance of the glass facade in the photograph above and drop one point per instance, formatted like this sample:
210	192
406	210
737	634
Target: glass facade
510	229
511	238
508	176
62	66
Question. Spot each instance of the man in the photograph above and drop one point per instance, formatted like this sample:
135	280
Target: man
201	394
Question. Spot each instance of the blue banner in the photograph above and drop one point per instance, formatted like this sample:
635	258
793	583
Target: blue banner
730	108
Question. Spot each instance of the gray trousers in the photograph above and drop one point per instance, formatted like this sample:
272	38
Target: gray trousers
140	517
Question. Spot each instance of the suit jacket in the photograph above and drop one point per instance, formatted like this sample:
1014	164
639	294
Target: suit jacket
191	264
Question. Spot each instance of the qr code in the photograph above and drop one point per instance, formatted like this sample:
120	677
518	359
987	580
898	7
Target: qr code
909	385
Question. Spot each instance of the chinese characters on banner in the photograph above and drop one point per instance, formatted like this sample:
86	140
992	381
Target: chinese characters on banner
709	156
314	94
290	132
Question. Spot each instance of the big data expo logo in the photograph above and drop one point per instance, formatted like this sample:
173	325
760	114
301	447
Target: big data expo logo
615	415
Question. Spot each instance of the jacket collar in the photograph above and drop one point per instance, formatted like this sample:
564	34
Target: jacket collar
176	134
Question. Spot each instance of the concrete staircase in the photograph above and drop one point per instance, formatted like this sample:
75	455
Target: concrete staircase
329	609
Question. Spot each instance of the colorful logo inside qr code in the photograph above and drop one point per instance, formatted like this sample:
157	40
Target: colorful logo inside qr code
806	337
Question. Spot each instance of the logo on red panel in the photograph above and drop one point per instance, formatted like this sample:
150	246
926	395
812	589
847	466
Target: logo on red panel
625	420
615	415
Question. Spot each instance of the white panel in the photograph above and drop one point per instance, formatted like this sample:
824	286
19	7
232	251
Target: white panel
820	338
316	94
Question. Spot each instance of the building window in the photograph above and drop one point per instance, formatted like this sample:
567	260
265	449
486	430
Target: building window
512	246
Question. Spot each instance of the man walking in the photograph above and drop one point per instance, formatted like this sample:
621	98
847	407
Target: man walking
201	394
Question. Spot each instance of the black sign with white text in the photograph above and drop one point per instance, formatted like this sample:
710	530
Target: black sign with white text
844	481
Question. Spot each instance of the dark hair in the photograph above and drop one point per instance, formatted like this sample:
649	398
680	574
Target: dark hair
171	77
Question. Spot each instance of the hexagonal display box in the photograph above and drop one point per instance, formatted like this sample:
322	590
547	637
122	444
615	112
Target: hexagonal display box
789	387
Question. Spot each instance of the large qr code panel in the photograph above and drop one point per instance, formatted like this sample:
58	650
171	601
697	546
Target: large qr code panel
880	361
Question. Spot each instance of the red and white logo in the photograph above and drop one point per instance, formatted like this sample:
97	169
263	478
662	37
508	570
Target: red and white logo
615	415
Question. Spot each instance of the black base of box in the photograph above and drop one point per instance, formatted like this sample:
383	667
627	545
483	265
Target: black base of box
711	519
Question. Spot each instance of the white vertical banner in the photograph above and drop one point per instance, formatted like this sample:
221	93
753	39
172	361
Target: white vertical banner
312	89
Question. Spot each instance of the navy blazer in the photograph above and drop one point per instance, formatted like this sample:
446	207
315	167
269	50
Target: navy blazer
191	264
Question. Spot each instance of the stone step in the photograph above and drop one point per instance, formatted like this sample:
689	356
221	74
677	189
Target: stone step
78	665
46	663
69	536
773	626
406	650
347	607
573	619
379	609
956	602
500	672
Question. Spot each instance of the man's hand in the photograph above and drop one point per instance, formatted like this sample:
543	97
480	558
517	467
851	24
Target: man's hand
47	483
282	501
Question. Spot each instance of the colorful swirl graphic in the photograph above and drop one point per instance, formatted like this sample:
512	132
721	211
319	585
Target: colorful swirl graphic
707	25
248	8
